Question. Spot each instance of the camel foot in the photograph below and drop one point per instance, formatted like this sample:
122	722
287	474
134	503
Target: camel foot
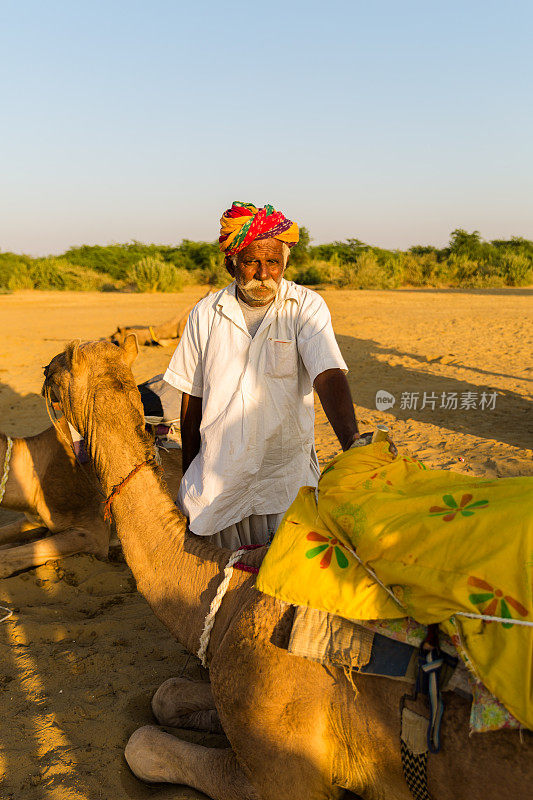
157	757
147	755
182	703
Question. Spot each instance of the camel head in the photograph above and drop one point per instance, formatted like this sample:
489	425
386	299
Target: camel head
95	378
119	336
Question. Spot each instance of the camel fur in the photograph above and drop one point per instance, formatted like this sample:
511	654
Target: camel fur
296	729
59	498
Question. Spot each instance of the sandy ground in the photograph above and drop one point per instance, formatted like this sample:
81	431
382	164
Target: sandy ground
82	653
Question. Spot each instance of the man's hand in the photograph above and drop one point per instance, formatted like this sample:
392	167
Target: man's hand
366	438
190	419
333	391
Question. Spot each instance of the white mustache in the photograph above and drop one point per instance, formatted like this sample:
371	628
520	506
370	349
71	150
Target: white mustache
252	284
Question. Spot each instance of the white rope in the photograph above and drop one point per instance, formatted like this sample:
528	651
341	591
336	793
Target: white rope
485	617
507	620
3	482
215	605
375	577
6	467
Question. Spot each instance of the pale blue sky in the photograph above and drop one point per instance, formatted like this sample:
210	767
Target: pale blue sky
395	122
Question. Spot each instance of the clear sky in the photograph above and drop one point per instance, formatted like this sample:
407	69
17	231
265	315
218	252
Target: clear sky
391	121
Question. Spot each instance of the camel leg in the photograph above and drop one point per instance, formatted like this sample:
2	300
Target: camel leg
182	703
34	554
20	529
157	757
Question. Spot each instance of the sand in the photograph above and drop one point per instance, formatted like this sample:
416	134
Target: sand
82	653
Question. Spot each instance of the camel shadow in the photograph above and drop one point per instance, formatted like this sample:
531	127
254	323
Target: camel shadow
505	417
21	415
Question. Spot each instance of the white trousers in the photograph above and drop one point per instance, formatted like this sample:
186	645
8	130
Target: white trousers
255	529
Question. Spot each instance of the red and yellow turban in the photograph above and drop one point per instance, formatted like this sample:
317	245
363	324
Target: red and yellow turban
243	223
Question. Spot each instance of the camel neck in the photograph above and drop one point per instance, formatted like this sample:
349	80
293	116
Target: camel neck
175	571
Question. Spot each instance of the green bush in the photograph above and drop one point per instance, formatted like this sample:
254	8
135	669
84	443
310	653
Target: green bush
311	275
422	268
367	273
152	274
216	274
516	269
473	274
20	278
114	260
14	272
315	272
57	273
194	255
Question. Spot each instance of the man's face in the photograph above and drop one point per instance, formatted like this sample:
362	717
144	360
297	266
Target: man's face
258	271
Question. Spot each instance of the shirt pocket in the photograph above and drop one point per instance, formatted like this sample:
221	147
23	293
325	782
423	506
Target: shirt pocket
281	358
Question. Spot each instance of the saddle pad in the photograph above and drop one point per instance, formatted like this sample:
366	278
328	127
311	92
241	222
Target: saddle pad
161	401
329	639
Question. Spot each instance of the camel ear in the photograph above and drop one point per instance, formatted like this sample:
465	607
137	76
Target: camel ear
73	353
130	348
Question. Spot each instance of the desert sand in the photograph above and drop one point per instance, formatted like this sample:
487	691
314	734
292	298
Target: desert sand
82	653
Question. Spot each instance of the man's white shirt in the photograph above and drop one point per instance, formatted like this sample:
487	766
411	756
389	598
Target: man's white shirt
257	430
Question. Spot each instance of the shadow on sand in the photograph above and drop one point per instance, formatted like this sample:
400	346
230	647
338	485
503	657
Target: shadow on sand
510	421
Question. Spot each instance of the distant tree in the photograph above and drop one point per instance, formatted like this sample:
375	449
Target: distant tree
464	243
422	249
430	250
517	244
346	252
114	259
300	251
194	255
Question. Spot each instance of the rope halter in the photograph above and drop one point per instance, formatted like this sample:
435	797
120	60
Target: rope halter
7	460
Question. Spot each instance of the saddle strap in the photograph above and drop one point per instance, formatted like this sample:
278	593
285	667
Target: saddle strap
415	770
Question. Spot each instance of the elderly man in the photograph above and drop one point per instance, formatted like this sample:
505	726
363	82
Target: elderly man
247	363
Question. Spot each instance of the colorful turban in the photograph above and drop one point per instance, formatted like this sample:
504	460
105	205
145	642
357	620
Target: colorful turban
243	223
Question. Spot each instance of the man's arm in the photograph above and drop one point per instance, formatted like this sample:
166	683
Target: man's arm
336	399
190	419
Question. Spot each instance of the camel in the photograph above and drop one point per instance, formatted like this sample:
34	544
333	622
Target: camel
60	499
296	729
164	334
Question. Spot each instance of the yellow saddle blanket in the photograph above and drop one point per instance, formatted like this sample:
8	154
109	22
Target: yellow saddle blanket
439	542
